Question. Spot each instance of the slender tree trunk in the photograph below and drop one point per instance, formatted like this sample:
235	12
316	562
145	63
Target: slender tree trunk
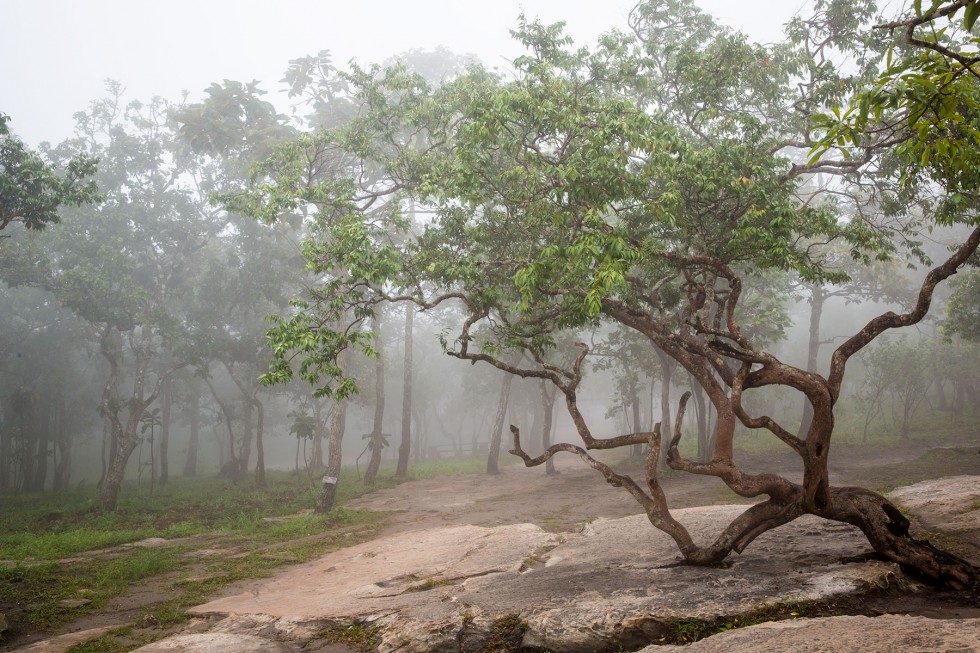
40	477
704	444
190	465
108	442
405	447
233	465
5	457
548	402
127	439
318	435
335	437
376	442
62	469
493	459
667	367
245	451
259	445
635	406
166	406
124	434
818	297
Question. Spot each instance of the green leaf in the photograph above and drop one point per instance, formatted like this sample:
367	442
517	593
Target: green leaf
971	15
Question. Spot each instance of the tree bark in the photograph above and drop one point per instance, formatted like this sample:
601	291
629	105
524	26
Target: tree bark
124	433
190	465
818	297
376	442
40	472
667	367
166	406
548	402
405	446
245	451
493	459
233	465
335	438
318	435
62	469
5	456
259	443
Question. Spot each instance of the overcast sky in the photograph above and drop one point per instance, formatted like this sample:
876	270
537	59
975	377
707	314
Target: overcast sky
56	54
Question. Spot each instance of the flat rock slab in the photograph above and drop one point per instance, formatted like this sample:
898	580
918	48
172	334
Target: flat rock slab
886	634
952	503
214	643
614	584
62	643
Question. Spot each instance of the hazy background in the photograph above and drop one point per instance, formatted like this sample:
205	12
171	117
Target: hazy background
56	54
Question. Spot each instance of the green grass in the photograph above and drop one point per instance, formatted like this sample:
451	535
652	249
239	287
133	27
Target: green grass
62	547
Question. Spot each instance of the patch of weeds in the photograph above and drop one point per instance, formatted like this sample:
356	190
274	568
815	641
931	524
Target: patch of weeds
430	583
689	630
104	644
360	637
685	631
506	635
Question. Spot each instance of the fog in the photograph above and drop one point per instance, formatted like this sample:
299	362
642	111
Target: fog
58	56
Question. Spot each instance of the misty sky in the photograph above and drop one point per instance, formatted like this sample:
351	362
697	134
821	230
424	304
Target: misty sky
56	54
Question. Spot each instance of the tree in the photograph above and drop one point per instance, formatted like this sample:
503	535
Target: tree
405	446
578	195
963	308
125	266
32	189
377	439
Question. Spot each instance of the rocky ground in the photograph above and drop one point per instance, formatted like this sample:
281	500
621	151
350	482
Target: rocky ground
563	563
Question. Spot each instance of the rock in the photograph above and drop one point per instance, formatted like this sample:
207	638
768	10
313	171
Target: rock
62	643
214	643
615	584
953	502
73	603
886	634
148	543
383	574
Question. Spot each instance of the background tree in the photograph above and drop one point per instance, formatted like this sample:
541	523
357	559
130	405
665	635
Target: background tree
32	189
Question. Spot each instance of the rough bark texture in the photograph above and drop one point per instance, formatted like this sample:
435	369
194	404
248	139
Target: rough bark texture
376	441
166	405
548	401
259	443
496	431
190	464
405	446
124	431
335	436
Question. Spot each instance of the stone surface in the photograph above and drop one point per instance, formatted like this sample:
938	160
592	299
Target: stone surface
613	584
886	634
214	643
952	502
62	643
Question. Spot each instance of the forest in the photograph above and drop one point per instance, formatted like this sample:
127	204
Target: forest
654	253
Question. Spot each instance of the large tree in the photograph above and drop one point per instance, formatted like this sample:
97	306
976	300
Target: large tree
650	183
32	189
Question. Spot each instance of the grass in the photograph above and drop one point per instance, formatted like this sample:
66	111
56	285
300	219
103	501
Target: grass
356	636
690	630
61	557
64	558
